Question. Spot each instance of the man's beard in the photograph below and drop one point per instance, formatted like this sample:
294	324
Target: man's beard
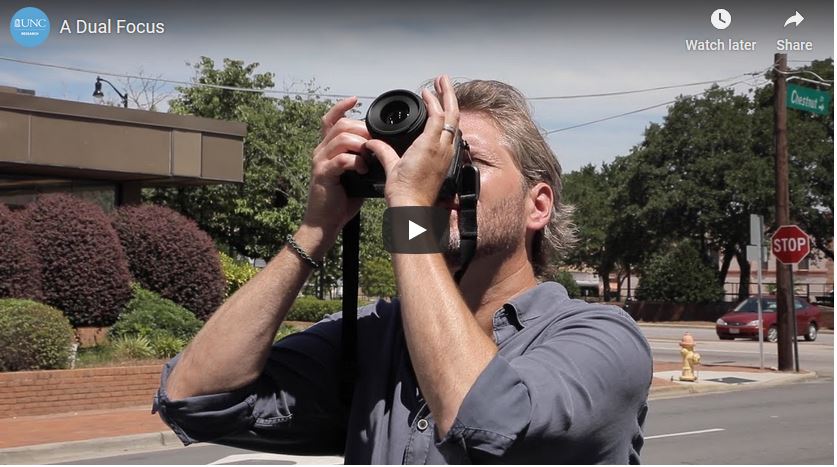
499	230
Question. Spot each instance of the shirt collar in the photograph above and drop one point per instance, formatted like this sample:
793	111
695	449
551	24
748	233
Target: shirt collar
532	303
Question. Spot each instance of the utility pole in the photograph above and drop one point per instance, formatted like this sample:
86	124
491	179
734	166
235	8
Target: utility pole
784	294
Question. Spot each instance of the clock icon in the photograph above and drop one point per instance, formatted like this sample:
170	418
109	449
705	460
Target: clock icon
721	18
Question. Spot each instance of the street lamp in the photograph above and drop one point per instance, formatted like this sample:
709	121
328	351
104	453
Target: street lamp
99	95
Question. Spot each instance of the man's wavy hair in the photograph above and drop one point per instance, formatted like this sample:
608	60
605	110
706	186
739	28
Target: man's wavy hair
512	115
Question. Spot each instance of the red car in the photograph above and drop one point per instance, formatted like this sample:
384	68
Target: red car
743	320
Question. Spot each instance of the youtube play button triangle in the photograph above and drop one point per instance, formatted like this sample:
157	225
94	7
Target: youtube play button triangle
416	230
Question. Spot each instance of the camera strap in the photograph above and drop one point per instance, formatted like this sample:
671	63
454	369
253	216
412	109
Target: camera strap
469	194
351	272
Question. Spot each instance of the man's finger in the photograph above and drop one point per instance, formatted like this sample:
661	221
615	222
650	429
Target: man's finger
435	114
344	142
451	106
336	113
385	154
346	125
341	163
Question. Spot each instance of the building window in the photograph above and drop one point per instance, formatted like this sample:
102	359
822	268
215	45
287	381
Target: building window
18	191
805	264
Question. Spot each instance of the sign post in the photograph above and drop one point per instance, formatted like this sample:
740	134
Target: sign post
790	245
756	240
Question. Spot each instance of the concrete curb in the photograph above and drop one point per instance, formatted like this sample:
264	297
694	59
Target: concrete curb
77	450
681	390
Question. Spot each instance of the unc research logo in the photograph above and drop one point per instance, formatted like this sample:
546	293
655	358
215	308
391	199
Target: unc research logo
29	27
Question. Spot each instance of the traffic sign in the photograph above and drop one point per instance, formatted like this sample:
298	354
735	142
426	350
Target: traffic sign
790	244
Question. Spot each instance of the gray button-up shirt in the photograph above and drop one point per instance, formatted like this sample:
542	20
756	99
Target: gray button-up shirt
568	385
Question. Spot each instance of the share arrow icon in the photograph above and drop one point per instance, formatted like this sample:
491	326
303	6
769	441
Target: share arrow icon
795	19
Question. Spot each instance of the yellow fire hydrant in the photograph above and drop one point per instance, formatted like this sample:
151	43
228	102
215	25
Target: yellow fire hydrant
690	357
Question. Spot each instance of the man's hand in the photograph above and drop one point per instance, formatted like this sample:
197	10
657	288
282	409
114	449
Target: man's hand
329	209
415	178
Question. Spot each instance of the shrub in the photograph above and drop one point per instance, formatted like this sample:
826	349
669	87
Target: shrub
33	336
566	279
312	309
149	315
169	254
236	273
679	275
166	345
132	348
20	270
84	270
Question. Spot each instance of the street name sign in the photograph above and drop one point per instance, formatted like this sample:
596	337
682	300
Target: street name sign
808	99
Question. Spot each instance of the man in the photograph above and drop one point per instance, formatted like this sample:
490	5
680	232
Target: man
497	369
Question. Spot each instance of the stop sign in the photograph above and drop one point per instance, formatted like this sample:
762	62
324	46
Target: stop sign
790	244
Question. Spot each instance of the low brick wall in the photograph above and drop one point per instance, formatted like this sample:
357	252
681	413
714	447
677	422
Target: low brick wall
25	393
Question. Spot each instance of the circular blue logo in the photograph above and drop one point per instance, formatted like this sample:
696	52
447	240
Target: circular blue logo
29	27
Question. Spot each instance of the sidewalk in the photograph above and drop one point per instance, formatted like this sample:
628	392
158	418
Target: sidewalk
73	436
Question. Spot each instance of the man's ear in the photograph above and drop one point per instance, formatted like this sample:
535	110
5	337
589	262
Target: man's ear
539	206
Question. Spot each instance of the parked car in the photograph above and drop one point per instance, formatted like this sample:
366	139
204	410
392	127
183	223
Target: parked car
743	320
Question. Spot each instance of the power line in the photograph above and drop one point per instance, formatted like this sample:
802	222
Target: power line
794	72
185	83
343	96
637	91
624	114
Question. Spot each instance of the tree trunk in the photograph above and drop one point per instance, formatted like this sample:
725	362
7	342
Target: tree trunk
728	254
605	275
744	276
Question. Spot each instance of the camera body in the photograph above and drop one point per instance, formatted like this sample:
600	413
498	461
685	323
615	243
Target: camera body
398	117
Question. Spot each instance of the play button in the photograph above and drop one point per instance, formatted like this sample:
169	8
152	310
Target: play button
415	230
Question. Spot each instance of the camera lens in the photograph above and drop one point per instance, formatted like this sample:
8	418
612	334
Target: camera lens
397	117
395	112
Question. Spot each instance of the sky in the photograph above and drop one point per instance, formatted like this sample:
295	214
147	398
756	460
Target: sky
365	48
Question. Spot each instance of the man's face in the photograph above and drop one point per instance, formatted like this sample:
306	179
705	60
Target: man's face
500	210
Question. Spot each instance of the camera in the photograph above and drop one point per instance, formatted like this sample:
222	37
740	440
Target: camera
398	117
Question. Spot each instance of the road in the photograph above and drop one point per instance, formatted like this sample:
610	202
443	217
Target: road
789	424
813	356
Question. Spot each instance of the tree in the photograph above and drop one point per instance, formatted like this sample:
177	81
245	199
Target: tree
680	275
589	191
145	92
252	218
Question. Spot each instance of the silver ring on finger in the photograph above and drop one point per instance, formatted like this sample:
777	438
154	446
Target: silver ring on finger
449	128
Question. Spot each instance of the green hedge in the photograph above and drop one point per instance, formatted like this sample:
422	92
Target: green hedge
33	336
149	315
312	309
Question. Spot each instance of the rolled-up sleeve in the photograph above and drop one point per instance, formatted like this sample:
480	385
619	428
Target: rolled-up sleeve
294	406
575	386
